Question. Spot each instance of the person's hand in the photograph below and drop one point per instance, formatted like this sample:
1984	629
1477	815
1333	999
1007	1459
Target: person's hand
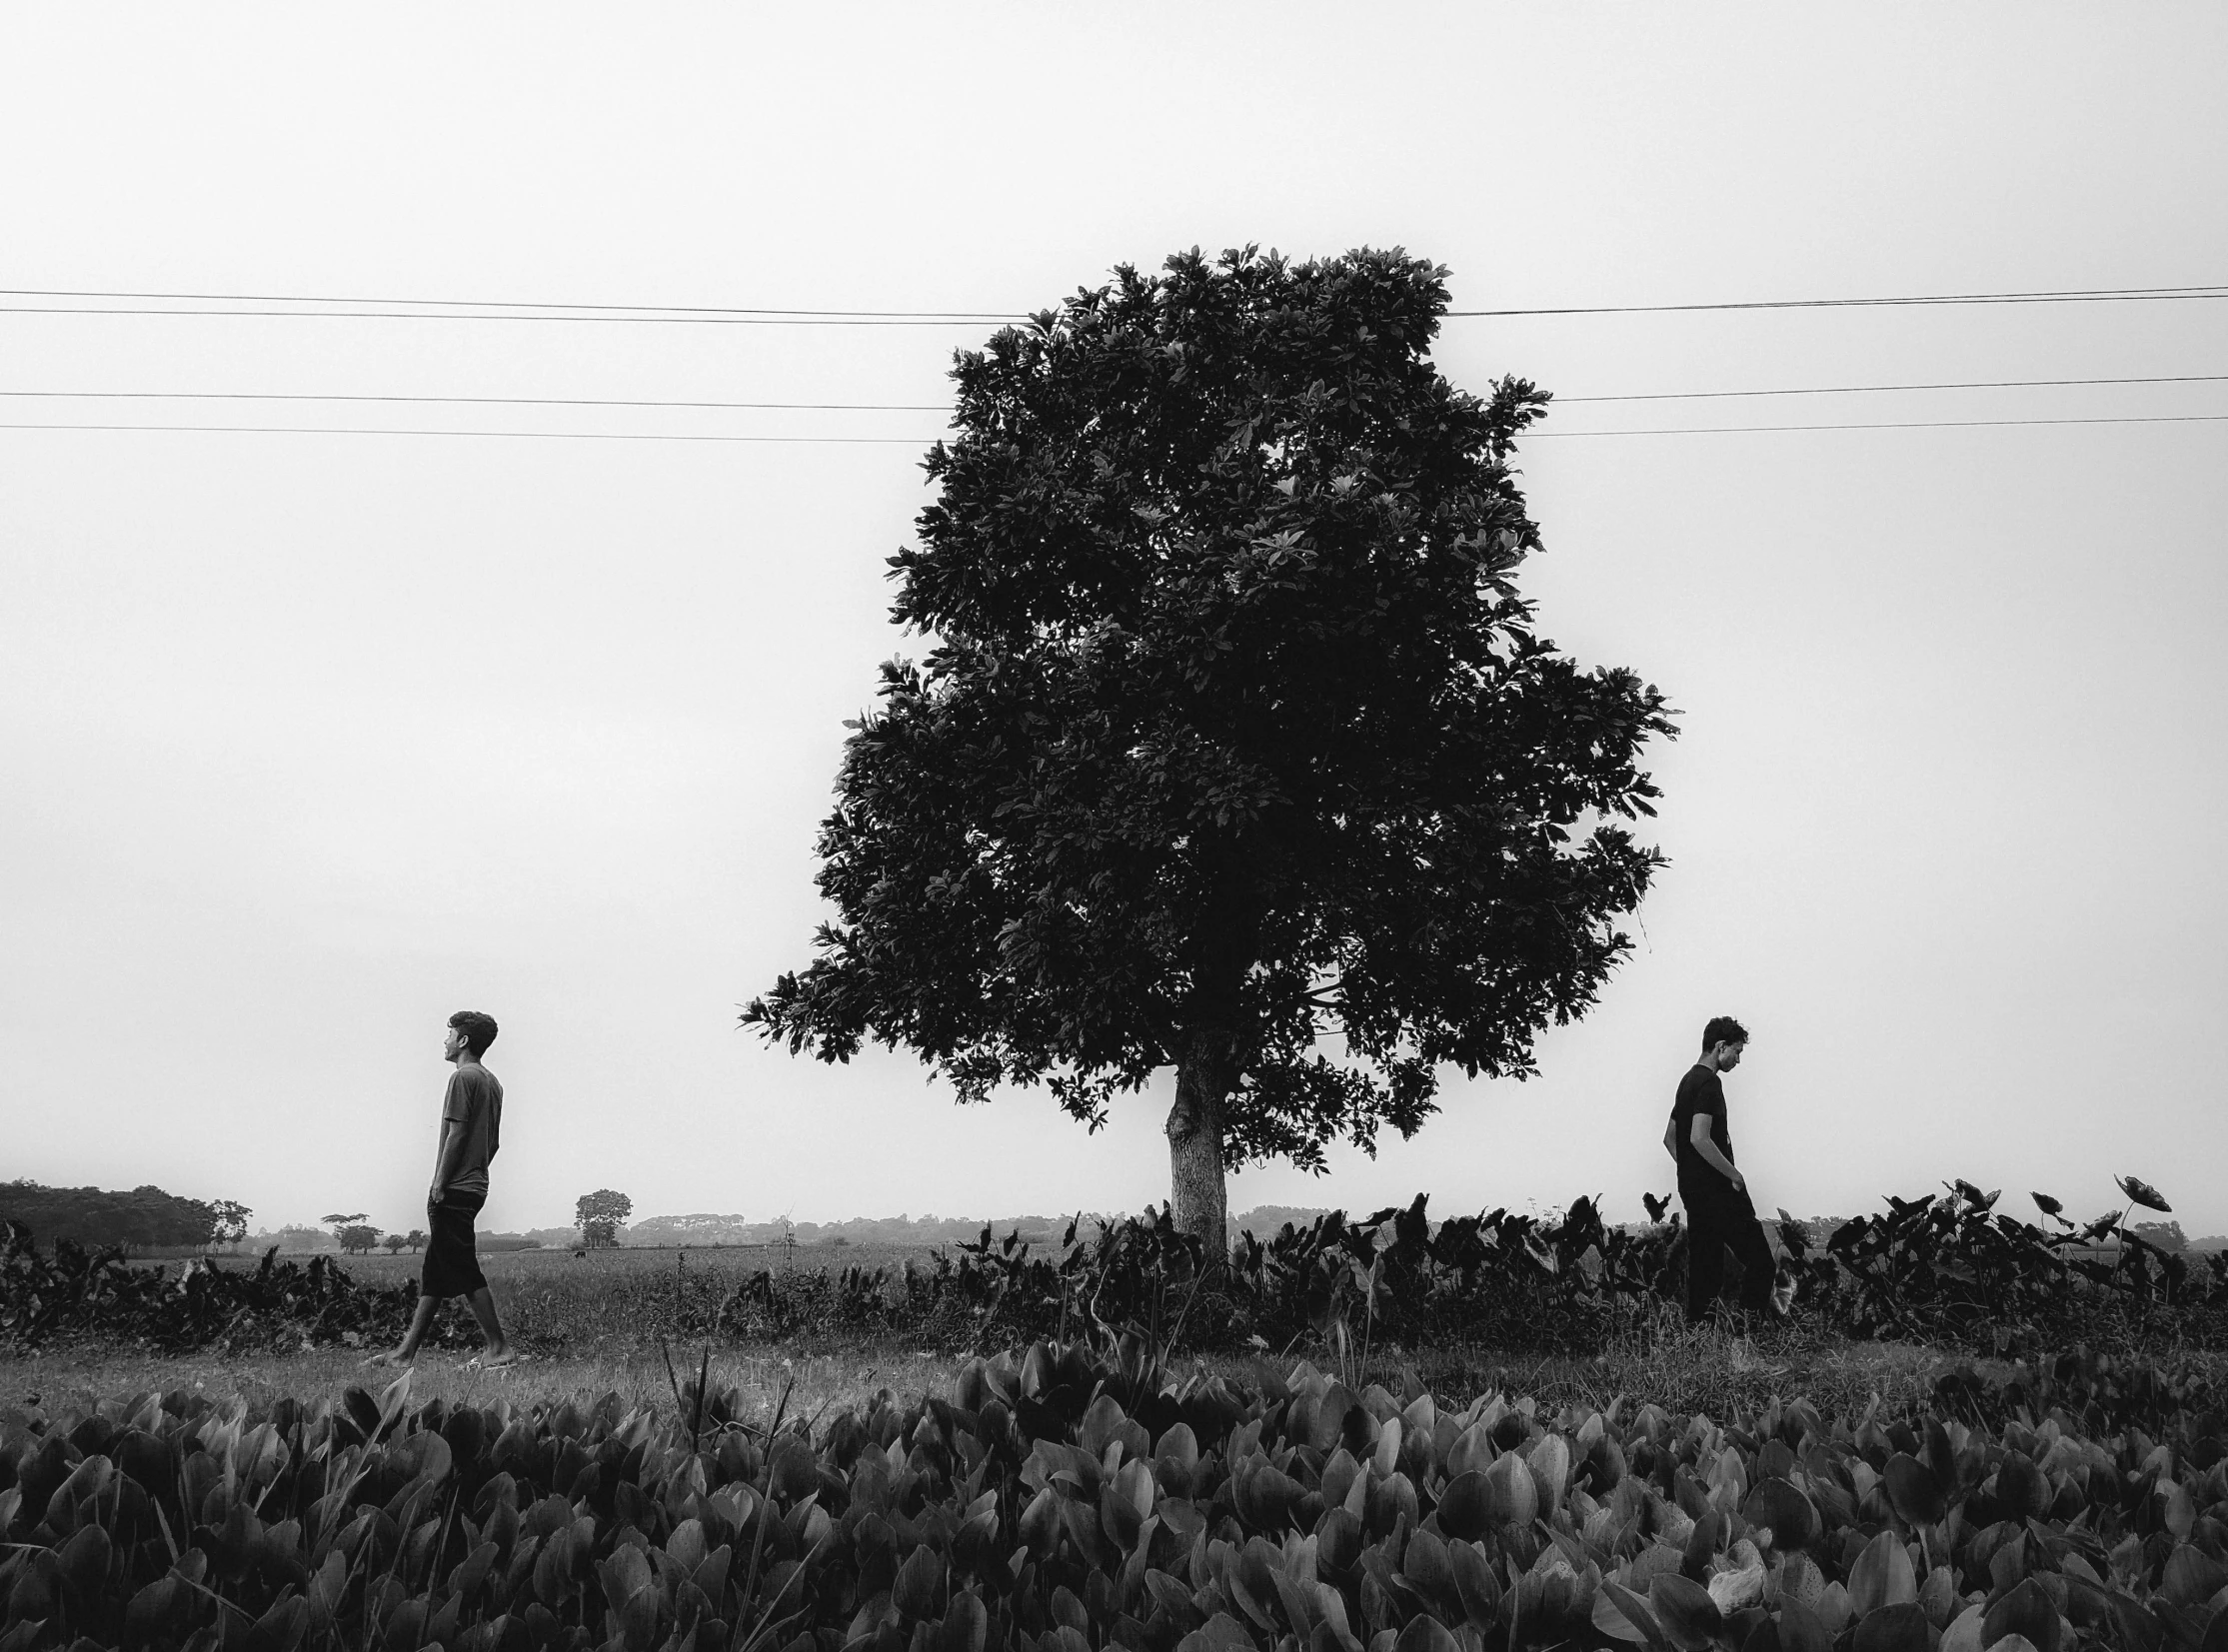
1740	1182
433	1193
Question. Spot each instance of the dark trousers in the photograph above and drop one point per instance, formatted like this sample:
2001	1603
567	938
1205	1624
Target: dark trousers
1720	1217
452	1258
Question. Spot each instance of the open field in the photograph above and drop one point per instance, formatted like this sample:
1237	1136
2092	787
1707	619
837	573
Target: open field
1708	1369
379	1267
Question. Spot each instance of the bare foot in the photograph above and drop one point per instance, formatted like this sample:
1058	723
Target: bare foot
495	1359
387	1358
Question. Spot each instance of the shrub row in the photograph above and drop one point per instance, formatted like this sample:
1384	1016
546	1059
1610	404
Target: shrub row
1061	1502
1949	1268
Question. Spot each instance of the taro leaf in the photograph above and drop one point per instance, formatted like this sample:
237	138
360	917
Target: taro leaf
84	1561
1800	1630
1622	1615
2046	1204
1385	1458
1899	1628
1882	1576
1912	1490
1549	1462
2020	1487
1683	1610
1473	1449
685	1547
965	1626
914	1591
2191	1576
1465	1508
282	1627
1176	1459
2180	1513
1337	1539
1425	1633
1937	1596
796	1469
1265	1497
466	1433
153	1610
1425	1565
1964	1631
1474	1584
1040	1527
1511	1495
2144	1194
1782	1508
2027	1611
2216	1634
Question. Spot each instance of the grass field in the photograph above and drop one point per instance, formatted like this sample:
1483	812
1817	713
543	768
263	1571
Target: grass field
1682	1370
550	1263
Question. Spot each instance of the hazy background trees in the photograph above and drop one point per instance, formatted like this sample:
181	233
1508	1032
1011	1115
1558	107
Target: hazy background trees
598	1215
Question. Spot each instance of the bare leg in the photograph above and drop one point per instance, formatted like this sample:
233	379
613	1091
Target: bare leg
407	1351
491	1327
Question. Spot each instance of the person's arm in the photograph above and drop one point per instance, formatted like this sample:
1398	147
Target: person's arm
456	1117
1670	1138
1707	1148
453	1137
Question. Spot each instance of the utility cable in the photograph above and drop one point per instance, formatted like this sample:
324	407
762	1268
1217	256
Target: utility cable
907	441
520	310
533	435
2083	295
1895	424
471	400
944	407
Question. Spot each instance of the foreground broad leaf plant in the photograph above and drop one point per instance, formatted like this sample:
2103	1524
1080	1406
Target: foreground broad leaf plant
1064	1504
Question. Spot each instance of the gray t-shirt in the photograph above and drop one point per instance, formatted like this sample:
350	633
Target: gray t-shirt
473	1105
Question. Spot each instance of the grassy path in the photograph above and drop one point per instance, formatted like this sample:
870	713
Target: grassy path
1705	1370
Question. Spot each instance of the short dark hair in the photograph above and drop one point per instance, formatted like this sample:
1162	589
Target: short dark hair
1722	1029
478	1030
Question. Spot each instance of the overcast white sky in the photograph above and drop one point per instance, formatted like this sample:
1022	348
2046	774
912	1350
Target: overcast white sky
308	739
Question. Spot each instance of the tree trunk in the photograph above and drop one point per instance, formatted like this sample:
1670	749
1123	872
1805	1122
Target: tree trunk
1203	1080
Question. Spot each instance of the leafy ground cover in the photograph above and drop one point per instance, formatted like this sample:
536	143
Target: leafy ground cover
1945	1270
1054	1499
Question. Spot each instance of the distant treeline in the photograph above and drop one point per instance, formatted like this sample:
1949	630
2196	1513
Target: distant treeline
144	1218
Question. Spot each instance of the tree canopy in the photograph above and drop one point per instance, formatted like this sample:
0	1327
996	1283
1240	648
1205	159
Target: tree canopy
1236	750
143	1216
598	1215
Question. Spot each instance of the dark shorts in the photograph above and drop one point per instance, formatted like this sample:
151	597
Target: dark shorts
452	1261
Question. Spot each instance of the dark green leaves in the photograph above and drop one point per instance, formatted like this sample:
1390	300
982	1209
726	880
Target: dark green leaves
1235	723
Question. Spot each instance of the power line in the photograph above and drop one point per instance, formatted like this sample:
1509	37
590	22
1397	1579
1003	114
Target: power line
1896	424
769	319
1871	389
907	441
943	407
528	434
471	400
414	308
2085	295
513	304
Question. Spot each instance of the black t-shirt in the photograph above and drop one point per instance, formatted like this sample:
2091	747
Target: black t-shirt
1701	1094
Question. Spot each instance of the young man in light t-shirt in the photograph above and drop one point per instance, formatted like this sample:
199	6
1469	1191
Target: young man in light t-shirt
471	1132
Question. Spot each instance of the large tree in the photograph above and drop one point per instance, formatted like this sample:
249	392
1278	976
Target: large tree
599	1216
1236	735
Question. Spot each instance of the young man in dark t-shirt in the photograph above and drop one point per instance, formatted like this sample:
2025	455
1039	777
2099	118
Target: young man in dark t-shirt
1719	1215
471	1132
